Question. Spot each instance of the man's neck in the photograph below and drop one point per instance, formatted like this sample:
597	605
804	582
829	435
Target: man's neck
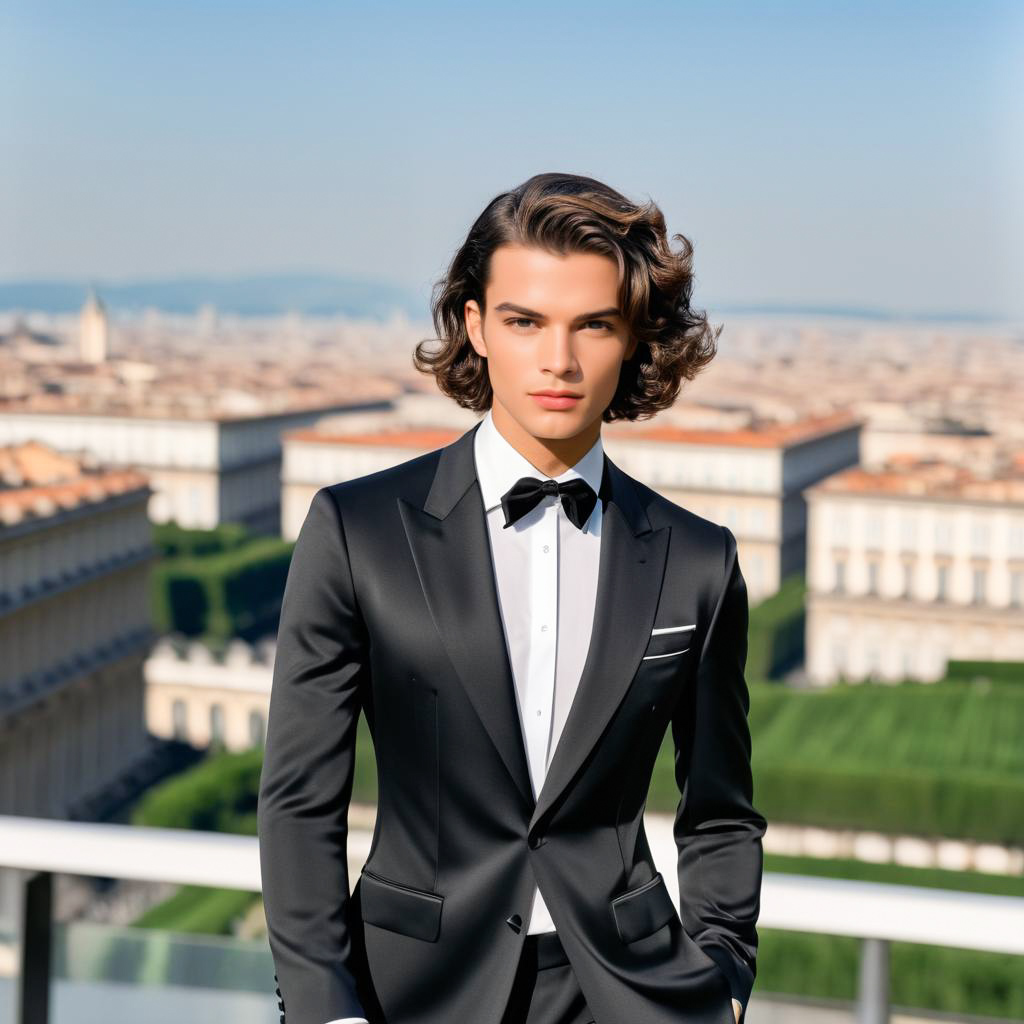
550	456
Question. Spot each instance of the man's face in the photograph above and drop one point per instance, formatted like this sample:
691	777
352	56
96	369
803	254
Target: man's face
551	323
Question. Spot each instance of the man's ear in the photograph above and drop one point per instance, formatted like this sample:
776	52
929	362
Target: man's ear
474	327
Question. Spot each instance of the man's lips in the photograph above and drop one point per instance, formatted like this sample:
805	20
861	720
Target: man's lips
549	401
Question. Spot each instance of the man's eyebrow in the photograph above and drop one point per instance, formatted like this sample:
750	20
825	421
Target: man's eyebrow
511	307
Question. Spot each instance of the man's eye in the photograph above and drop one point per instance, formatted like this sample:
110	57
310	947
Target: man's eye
527	322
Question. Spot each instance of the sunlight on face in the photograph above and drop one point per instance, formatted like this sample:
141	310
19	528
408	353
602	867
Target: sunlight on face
551	322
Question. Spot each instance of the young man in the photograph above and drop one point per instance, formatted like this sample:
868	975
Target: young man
521	622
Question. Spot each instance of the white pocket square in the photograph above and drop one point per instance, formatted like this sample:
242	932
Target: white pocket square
671	654
668	630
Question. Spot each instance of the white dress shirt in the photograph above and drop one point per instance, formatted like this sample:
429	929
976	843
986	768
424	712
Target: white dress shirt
539	562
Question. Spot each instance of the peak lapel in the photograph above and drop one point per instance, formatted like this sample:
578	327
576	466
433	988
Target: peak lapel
451	548
630	571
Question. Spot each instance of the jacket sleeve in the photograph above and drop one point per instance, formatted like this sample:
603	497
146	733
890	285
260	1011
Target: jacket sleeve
320	670
717	829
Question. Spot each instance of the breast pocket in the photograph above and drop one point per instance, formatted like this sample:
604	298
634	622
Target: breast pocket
669	642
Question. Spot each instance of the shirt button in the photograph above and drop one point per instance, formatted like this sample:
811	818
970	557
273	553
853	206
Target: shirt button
543	629
545	548
540	711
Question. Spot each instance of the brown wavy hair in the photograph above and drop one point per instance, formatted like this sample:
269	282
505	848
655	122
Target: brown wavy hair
565	213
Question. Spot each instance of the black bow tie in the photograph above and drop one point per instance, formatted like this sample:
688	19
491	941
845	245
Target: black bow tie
578	498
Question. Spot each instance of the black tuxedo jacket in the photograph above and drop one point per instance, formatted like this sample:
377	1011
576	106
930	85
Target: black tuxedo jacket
391	608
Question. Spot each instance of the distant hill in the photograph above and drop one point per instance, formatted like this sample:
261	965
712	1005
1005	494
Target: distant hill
857	313
250	295
329	295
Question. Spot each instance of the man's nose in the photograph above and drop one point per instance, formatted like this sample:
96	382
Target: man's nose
557	349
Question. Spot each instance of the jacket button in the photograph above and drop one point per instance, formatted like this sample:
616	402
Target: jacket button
536	841
515	922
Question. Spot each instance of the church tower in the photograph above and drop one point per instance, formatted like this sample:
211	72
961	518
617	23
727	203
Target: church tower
93	330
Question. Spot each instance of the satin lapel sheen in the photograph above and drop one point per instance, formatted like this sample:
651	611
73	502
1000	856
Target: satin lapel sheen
630	571
450	544
452	550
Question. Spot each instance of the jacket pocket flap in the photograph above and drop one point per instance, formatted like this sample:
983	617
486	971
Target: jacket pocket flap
400	908
643	910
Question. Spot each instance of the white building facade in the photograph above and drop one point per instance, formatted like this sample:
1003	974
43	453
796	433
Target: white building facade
203	470
317	458
750	479
912	566
74	630
196	698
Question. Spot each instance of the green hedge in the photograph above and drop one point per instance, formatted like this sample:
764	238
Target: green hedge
217	795
199	910
174	541
932	759
893	800
986	671
775	638
234	592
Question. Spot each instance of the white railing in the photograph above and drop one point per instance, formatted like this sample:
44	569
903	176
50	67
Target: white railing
877	913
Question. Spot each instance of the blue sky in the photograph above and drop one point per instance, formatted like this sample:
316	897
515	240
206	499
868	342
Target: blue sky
826	153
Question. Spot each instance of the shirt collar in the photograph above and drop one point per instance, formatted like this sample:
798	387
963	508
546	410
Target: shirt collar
499	465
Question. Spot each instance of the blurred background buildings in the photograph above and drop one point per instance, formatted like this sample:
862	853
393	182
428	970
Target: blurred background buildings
171	400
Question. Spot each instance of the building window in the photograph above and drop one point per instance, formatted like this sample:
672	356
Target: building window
257	729
874	663
1017	588
840	576
757	572
979	538
179	720
908	532
841	528
216	725
1017	539
908	579
873	531
908	663
838	659
872	577
942	584
978	588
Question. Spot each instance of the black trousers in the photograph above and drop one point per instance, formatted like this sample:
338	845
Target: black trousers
545	990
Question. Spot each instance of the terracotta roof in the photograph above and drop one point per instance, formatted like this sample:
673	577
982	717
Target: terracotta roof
933	478
33	462
193	406
763	435
424	438
767	435
37	481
